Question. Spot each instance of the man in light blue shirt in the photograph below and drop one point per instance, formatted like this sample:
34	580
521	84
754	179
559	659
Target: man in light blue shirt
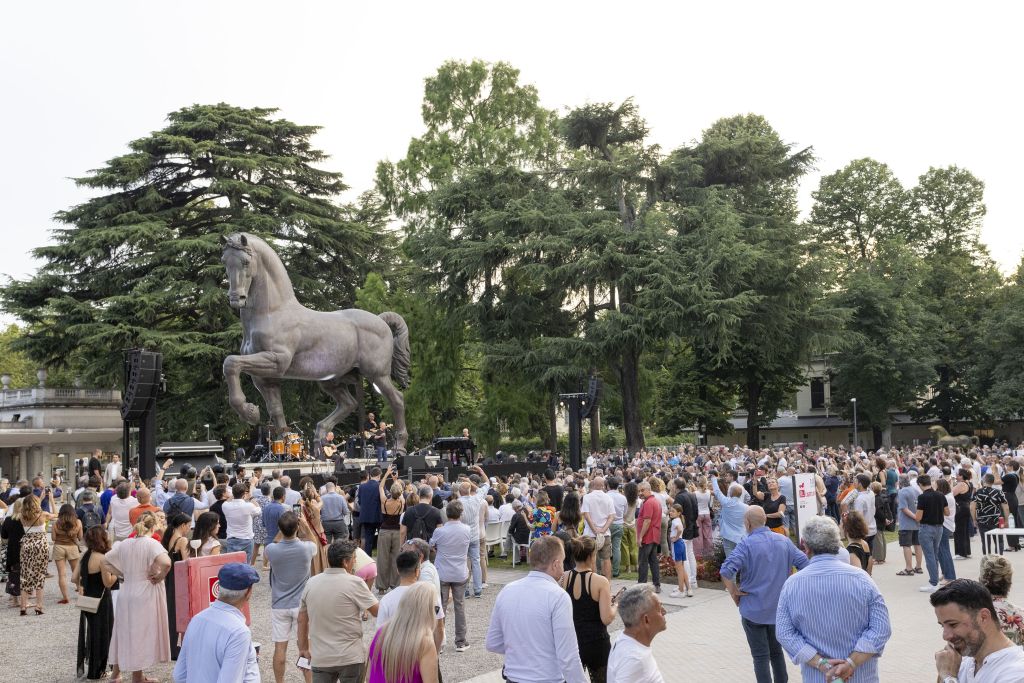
909	528
218	645
763	560
731	518
451	541
334	514
831	618
532	626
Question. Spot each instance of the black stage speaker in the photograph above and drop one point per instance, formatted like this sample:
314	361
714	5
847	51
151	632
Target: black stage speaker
294	475
142	383
415	462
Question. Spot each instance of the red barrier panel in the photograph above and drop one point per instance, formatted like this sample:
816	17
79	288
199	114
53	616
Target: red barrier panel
195	585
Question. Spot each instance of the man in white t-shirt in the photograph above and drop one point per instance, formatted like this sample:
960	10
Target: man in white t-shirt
864	503
408	564
976	649
631	659
119	511
598	515
239	513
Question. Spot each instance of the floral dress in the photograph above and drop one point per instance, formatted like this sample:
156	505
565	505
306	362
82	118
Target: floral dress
1011	620
541	521
259	532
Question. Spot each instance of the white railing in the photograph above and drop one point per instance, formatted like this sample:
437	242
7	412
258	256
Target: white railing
43	395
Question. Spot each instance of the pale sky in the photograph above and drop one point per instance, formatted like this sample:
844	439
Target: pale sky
911	84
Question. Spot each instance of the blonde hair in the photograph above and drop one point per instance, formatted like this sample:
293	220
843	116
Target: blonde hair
398	645
657	485
30	509
996	575
146	523
396	492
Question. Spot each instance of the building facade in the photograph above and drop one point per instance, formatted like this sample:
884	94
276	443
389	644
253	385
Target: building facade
44	430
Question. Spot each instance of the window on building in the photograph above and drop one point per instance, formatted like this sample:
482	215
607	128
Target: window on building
817	393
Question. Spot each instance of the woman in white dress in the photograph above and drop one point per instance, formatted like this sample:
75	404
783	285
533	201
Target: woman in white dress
140	637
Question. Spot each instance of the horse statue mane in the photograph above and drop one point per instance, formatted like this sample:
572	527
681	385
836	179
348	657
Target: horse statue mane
282	339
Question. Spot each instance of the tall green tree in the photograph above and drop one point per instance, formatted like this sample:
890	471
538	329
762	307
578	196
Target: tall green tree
139	263
859	206
479	118
958	285
998	370
750	291
614	175
887	359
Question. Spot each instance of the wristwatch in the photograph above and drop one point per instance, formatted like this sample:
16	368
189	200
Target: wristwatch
950	679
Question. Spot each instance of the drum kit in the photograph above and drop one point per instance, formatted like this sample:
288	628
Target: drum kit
286	447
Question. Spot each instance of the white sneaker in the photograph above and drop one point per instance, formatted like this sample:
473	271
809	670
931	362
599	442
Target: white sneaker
928	589
959	557
689	594
483	586
462	648
676	594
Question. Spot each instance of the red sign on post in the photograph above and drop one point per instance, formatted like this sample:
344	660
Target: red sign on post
214	588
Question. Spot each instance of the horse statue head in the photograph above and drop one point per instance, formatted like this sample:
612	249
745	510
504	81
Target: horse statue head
938	431
240	262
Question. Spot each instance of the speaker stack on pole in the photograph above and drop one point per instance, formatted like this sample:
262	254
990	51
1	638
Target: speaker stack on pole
142	382
580	406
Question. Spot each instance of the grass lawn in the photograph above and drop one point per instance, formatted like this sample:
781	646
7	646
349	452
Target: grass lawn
498	563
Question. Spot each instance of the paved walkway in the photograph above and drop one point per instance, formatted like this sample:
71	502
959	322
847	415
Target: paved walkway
704	642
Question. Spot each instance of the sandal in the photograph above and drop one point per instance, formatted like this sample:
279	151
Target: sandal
918	570
905	572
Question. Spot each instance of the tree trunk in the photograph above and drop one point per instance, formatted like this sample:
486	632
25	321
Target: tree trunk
553	424
629	385
595	429
753	429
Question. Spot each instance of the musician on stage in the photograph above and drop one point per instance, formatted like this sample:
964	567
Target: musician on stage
331	451
377	436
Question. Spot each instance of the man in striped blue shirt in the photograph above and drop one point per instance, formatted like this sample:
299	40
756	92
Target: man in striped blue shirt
831	618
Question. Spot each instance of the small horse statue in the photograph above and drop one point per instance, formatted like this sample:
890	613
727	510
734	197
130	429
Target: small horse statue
282	339
944	438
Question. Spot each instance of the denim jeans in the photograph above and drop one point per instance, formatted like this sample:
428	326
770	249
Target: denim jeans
766	651
616	548
234	545
474	564
945	557
728	546
931	539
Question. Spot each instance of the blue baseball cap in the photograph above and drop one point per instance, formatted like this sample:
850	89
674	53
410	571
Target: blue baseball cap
237	576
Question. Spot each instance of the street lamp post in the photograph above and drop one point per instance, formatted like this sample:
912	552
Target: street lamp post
207	425
856	437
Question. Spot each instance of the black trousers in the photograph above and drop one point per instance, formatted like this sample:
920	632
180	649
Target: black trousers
962	531
649	558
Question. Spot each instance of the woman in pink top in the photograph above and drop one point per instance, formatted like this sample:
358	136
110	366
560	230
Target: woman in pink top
403	649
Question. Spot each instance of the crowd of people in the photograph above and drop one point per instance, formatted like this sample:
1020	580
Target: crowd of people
408	554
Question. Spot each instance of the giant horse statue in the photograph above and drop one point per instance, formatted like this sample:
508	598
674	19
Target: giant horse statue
282	339
944	438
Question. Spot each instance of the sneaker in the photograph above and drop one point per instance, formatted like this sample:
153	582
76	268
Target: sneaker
657	589
462	648
689	593
955	557
676	594
483	586
466	595
478	595
928	589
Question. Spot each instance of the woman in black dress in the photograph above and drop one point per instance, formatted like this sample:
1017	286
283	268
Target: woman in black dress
1010	481
592	608
963	493
175	541
12	531
95	629
856	530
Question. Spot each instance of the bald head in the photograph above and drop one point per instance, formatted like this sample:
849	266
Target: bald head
755	517
181	485
597	484
143	496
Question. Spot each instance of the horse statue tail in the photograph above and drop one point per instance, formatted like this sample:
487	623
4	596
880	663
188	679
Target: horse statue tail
975	441
401	359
